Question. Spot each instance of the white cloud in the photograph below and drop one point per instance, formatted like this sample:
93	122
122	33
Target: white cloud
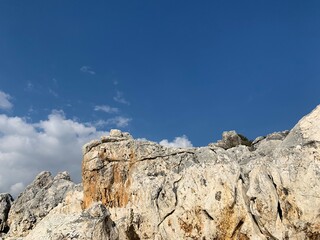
178	142
32	110
120	98
106	108
87	69
121	121
53	144
116	121
5	103
17	188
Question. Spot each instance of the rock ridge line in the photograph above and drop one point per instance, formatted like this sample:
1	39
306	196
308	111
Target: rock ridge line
267	188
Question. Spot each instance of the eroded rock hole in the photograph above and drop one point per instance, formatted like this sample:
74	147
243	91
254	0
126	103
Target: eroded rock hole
131	233
218	195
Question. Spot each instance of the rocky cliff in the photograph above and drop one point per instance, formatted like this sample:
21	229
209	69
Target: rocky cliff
131	189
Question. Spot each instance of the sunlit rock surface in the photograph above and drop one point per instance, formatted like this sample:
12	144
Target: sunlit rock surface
132	189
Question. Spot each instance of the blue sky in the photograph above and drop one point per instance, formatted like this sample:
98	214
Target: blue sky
158	69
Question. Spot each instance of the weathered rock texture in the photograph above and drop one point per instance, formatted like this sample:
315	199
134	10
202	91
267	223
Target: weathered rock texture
228	190
233	189
5	205
68	221
36	201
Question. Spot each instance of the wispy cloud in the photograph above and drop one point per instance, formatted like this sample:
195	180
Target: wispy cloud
87	69
55	81
121	121
29	86
120	98
53	93
32	110
106	108
178	142
5	103
116	121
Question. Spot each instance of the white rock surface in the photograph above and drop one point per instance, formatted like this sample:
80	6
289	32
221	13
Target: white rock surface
142	190
225	191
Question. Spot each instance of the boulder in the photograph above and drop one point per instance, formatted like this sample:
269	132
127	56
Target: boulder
231	139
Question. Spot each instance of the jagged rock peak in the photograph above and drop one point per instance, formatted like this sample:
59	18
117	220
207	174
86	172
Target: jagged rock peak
306	131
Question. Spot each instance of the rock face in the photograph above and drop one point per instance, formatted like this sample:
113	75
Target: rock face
227	190
233	189
68	221
36	201
5	205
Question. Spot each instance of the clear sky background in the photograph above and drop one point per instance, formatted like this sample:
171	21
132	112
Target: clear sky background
176	72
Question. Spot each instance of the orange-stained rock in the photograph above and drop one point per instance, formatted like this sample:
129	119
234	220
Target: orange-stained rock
267	190
133	189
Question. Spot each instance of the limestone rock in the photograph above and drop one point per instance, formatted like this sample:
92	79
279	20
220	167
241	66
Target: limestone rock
36	201
5	205
306	131
267	189
228	190
153	192
114	136
68	221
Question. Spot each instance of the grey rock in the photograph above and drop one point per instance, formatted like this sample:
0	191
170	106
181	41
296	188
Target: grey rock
231	139
5	205
305	132
62	176
69	221
36	201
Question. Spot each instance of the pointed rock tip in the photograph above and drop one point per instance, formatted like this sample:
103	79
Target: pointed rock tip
307	130
63	175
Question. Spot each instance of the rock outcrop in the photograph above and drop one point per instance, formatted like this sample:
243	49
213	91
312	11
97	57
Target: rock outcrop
68	221
132	189
231	139
5	205
36	201
268	190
